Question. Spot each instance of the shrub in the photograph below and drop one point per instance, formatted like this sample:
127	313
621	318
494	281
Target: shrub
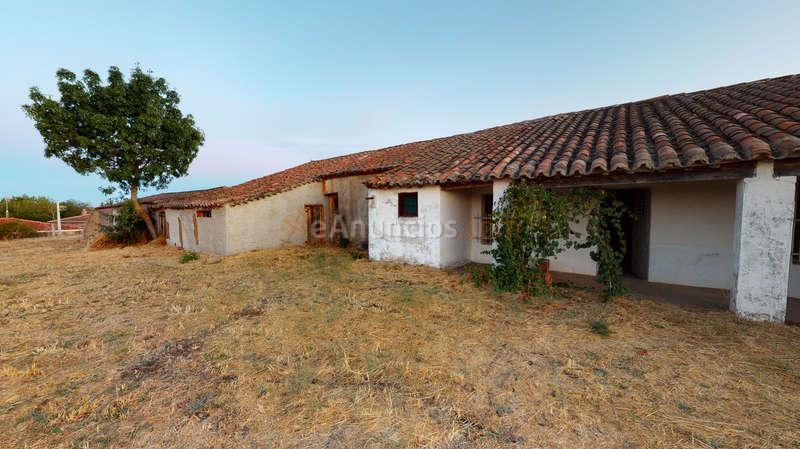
479	274
358	254
535	223
188	256
128	227
600	327
16	230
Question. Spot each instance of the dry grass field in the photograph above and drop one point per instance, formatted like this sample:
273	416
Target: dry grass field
309	348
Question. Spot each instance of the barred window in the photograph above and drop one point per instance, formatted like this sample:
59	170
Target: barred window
486	219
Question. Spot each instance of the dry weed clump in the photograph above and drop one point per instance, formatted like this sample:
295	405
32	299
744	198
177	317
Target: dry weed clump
311	347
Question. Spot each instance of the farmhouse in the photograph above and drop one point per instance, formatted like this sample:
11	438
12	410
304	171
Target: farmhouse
711	174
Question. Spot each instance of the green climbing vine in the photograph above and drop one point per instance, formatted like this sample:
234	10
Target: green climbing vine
535	224
606	239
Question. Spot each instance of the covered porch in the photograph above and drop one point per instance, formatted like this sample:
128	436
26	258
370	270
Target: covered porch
682	295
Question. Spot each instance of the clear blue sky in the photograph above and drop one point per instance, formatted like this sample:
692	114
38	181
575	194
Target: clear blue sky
273	85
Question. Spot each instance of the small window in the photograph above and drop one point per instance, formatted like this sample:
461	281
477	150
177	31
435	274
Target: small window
407	205
486	218
204	213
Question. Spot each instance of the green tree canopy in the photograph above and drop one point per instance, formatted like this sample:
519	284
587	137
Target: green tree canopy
29	207
130	132
71	208
40	208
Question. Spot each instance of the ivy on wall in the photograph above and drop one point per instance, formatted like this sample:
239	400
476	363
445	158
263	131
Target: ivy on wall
535	224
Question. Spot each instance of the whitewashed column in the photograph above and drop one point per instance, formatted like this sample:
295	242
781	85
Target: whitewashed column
762	245
499	187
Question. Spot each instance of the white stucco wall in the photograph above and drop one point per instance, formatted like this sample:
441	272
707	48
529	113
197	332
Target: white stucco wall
691	233
455	215
272	221
413	240
211	231
762	245
276	220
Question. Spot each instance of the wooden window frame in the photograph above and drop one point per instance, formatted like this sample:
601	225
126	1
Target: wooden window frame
203	213
403	213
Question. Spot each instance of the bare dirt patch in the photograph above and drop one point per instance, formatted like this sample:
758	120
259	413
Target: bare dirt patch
305	347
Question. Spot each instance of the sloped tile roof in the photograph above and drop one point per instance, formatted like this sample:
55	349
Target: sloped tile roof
742	122
157	199
352	164
748	121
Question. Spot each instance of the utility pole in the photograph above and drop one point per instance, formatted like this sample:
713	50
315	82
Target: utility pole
58	217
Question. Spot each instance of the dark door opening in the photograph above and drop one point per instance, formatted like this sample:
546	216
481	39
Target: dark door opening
334	230
636	231
315	224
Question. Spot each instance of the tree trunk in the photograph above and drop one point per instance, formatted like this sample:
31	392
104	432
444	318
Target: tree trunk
142	213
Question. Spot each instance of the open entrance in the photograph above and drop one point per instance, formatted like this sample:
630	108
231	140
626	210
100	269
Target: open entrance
315	224
636	231
161	224
334	219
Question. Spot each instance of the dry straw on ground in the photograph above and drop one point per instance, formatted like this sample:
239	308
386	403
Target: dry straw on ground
306	347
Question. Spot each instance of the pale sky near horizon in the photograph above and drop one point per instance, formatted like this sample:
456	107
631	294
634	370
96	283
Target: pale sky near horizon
274	85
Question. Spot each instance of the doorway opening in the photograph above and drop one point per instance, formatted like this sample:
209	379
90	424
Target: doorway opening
334	224
636	231
315	224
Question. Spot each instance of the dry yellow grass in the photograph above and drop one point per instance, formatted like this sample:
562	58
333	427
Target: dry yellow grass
305	347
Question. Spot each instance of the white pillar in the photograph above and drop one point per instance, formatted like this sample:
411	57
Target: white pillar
499	187
762	245
58	216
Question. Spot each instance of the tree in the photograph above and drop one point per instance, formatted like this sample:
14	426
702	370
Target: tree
71	208
38	208
41	208
129	132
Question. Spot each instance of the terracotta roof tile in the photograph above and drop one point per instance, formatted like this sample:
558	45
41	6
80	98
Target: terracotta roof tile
159	198
747	121
352	164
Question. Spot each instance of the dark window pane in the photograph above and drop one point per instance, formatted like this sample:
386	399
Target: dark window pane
486	219
407	204
487	204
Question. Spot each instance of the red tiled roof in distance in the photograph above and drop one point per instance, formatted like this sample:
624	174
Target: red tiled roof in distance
37	225
74	222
